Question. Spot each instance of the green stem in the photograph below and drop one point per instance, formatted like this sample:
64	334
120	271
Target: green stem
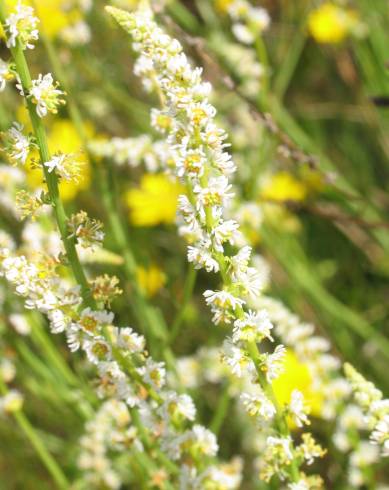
45	344
221	410
51	178
189	285
37	443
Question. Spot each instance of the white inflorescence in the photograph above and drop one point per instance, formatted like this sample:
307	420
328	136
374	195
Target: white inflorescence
22	25
45	95
198	148
374	406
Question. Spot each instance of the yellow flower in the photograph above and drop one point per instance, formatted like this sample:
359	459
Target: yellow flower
154	202
151	279
64	138
330	23
296	375
283	187
223	5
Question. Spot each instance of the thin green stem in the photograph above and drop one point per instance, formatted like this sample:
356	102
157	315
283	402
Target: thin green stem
189	285
37	443
221	410
51	178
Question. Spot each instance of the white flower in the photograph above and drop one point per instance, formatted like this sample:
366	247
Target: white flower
281	444
45	94
259	18
65	166
202	258
97	350
11	402
222	300
274	363
191	163
19	323
216	194
188	372
178	405
297	408
223	161
154	373
130	341
251	281
76	34
19	145
204	440
7	370
21	25
300	485
237	359
253	327
243	33
240	261
91	321
258	404
5	74
58	321
228	475
225	231
380	435
55	163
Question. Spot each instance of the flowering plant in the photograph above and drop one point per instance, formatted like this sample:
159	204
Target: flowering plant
153	403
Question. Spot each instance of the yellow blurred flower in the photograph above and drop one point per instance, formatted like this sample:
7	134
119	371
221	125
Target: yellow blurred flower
282	186
296	375
154	202
330	23
151	279
64	138
223	5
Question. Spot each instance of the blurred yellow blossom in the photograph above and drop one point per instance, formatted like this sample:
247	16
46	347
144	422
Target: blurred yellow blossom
222	5
151	279
64	138
296	375
154	202
331	23
282	186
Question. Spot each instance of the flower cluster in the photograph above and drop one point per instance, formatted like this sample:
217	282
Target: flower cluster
21	25
65	166
109	430
313	351
126	372
45	94
17	145
374	406
198	148
6	74
87	231
132	151
248	21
